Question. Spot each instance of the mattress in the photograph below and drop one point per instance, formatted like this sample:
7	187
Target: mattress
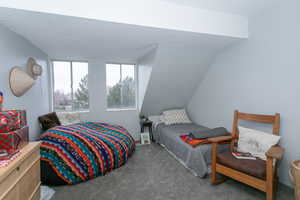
196	159
79	152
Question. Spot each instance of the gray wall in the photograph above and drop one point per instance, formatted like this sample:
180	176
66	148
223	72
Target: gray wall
15	51
97	91
145	65
174	78
260	75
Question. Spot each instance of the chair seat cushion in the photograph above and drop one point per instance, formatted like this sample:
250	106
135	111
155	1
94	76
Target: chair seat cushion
256	168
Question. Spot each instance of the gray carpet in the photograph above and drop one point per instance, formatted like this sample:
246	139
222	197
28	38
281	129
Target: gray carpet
153	174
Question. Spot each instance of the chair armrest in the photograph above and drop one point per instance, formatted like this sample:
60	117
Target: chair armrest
220	139
275	152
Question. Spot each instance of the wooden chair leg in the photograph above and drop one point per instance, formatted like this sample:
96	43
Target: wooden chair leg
270	195
270	180
275	186
214	179
213	163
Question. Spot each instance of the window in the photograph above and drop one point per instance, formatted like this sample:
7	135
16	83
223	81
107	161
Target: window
121	86
70	89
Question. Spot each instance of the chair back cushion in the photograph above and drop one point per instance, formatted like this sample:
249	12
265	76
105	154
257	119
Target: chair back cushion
255	142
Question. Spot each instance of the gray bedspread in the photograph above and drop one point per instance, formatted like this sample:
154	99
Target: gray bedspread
197	159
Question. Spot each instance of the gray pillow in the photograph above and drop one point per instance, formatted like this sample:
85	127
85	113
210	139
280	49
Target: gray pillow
215	132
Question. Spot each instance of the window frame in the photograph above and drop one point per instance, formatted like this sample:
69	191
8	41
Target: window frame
136	86
52	80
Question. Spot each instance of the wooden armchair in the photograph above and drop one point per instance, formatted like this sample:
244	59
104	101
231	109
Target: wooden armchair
259	174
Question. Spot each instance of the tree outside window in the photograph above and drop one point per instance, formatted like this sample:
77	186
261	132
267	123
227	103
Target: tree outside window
70	86
121	86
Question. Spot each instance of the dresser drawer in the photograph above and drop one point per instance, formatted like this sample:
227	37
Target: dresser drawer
16	174
37	194
30	181
20	180
26	164
12	194
9	182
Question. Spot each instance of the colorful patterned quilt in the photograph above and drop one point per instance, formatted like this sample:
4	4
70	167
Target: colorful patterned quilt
82	151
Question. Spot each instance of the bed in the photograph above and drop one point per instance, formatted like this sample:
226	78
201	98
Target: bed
196	159
82	151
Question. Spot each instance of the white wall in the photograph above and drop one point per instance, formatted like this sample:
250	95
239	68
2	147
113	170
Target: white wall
260	75
175	75
97	92
145	65
15	51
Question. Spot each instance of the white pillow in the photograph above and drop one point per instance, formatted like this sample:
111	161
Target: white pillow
67	118
256	142
162	118
155	118
177	116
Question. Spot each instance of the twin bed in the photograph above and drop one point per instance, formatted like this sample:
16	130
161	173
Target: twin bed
196	159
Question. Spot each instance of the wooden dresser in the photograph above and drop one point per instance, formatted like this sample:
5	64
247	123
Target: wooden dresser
20	180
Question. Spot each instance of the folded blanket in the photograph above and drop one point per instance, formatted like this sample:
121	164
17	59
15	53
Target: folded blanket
196	142
215	132
193	142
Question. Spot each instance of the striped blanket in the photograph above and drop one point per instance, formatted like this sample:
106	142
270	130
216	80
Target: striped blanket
82	151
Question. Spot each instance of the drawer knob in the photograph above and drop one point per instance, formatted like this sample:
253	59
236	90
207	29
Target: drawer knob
18	168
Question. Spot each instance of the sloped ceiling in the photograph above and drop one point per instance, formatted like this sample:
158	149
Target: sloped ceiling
73	37
247	8
145	66
180	60
154	13
175	75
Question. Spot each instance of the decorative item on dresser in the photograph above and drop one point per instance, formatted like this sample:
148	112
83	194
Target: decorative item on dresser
20	180
13	132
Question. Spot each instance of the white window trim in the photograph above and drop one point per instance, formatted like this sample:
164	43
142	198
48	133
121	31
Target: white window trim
135	108
120	109
52	82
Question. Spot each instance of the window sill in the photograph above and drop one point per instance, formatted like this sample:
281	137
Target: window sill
120	109
65	112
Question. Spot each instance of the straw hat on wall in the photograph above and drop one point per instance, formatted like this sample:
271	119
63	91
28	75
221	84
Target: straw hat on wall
19	81
34	69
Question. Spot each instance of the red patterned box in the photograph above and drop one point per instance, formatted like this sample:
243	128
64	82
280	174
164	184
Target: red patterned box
11	120
12	141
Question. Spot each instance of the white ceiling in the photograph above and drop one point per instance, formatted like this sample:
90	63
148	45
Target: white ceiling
71	37
63	36
241	7
154	13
